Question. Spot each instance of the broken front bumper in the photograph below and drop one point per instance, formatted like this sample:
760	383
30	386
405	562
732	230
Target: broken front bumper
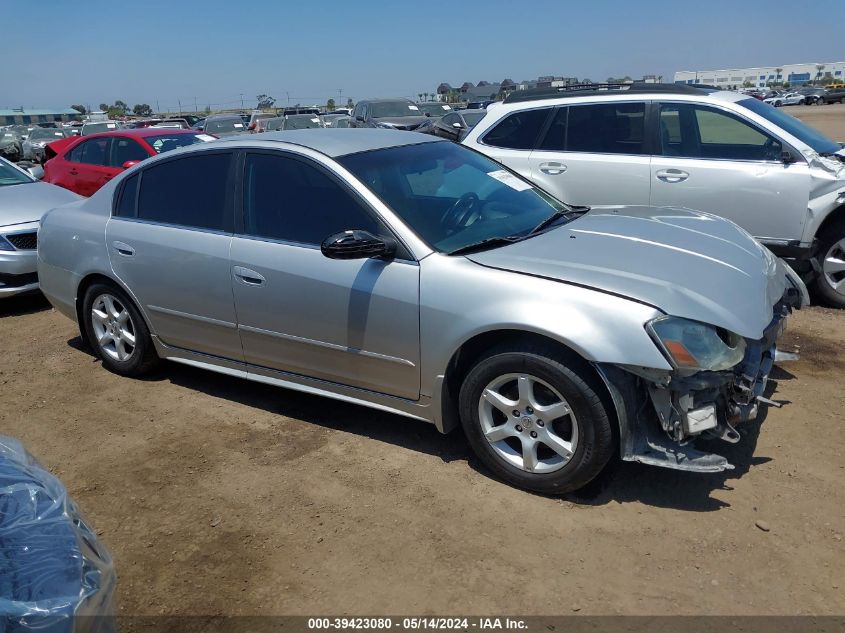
663	413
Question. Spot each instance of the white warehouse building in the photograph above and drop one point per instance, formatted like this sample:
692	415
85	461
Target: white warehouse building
794	74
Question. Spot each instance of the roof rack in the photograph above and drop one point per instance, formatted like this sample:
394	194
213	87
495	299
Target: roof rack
579	90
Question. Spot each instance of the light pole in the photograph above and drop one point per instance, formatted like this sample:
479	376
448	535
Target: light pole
242	101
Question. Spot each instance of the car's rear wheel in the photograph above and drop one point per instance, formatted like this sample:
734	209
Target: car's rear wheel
117	331
830	283
535	421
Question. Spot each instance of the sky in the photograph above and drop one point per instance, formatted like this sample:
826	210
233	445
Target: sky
211	52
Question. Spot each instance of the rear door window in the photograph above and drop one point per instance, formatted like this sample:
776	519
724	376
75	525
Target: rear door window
518	130
190	191
93	152
602	128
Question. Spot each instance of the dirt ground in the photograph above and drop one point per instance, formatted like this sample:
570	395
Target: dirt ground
219	496
830	119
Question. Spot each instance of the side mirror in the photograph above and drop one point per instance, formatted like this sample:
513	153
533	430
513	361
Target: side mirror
357	244
359	118
786	157
36	171
457	125
130	163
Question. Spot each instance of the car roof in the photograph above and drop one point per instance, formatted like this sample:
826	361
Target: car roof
384	100
336	142
472	111
214	117
136	133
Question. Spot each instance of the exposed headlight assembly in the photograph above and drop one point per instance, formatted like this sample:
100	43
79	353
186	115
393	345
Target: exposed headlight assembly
693	345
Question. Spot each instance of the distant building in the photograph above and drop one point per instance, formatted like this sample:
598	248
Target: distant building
554	82
24	116
760	77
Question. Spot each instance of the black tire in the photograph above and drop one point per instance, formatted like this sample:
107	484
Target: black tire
578	387
825	292
143	358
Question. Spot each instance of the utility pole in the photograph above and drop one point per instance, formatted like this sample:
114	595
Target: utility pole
179	101
288	95
339	98
242	101
196	109
158	109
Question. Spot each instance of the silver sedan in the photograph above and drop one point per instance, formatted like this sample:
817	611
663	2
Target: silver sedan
410	274
23	200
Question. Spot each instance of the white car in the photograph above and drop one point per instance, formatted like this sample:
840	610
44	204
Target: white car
789	98
39	138
665	145
23	200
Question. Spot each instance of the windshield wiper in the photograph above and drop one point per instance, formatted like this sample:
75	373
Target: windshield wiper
488	243
569	214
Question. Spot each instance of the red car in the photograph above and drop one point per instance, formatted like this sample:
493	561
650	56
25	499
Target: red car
83	164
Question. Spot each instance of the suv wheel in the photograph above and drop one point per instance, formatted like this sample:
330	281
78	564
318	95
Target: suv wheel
830	284
535	422
117	331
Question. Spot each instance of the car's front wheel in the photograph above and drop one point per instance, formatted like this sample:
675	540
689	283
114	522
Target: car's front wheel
535	421
117	331
830	283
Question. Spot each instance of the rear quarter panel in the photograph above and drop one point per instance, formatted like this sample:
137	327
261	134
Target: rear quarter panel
71	245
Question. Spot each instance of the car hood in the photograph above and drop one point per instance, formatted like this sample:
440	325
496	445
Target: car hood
28	202
685	263
403	122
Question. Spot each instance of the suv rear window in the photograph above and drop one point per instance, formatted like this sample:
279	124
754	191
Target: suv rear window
603	128
518	130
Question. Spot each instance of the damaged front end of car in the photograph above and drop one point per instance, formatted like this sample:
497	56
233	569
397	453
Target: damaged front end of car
718	382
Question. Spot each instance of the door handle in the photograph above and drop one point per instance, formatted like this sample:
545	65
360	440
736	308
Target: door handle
72	172
672	175
552	169
123	249
248	276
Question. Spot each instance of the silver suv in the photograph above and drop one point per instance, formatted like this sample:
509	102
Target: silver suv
666	145
410	274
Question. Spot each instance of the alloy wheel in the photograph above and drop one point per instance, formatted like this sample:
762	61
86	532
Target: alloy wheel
528	423
113	327
833	266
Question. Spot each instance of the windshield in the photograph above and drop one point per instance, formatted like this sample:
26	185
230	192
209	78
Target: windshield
812	137
302	122
382	109
473	118
435	109
224	125
94	128
11	176
451	196
44	134
275	124
166	142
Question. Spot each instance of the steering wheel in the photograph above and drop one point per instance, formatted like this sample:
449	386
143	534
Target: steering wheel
772	149
459	214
